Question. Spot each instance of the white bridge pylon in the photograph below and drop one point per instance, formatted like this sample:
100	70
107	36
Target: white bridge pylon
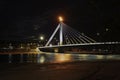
69	36
61	34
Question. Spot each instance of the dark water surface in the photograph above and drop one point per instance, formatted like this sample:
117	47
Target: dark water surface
53	58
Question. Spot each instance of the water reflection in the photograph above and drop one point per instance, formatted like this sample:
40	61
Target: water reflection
53	58
41	59
100	56
62	57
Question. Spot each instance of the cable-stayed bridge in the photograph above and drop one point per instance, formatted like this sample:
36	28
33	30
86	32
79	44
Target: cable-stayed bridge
72	40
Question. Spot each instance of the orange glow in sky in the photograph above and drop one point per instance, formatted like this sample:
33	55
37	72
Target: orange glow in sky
60	19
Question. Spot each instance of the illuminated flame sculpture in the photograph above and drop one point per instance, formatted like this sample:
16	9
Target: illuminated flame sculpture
60	19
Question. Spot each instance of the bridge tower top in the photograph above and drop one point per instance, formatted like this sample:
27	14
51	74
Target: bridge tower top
59	27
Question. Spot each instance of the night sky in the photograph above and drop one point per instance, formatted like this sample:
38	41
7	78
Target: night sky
29	19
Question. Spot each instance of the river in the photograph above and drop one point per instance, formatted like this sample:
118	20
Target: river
54	58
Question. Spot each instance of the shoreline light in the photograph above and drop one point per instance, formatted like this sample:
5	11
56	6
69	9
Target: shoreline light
41	38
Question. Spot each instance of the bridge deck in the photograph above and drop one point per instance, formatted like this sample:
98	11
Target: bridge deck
83	44
106	47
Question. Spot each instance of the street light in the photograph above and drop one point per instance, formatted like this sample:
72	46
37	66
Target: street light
106	29
41	38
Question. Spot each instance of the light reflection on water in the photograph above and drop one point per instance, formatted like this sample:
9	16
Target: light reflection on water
63	57
54	58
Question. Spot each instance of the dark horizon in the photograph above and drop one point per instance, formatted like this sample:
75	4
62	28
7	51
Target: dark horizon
26	20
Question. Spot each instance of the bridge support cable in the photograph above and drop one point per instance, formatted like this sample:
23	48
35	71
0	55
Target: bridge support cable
77	34
68	37
71	37
77	41
90	38
86	38
82	38
74	37
87	41
66	40
67	33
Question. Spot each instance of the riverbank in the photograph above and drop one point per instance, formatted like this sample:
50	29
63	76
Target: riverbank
20	51
83	70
